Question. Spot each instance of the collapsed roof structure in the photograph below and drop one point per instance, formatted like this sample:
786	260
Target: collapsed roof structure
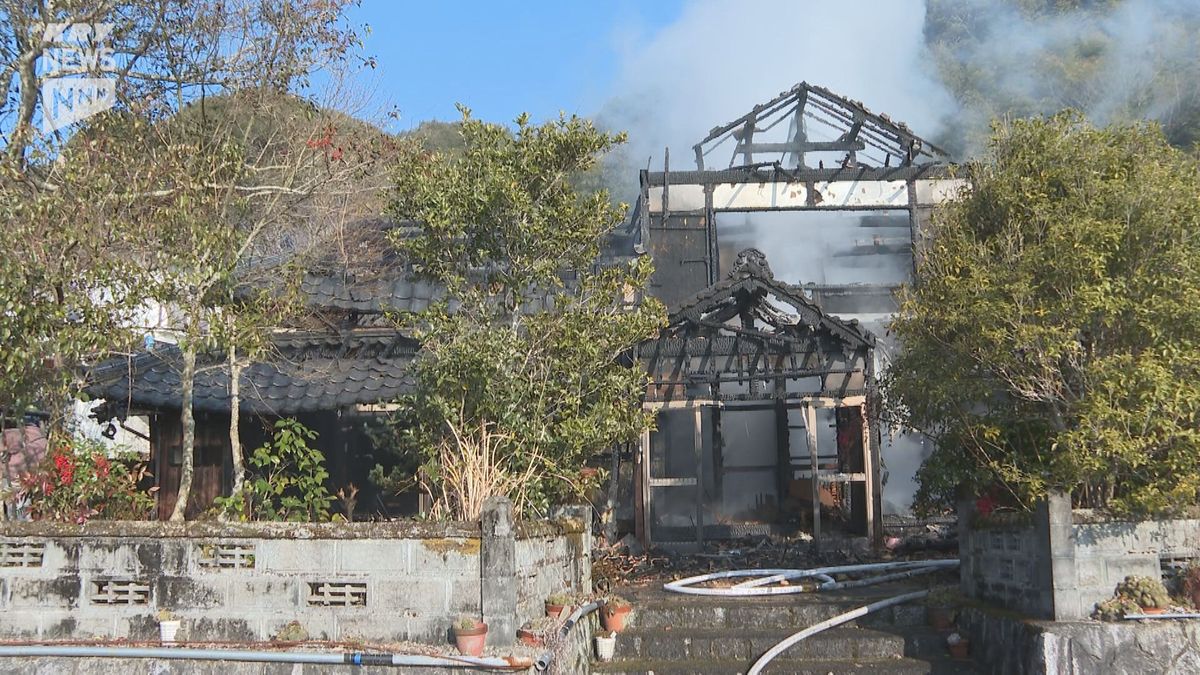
778	352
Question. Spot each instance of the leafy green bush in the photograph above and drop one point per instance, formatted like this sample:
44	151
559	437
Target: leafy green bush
1052	340
287	480
509	401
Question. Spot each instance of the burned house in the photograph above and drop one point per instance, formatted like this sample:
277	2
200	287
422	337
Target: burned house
762	383
742	380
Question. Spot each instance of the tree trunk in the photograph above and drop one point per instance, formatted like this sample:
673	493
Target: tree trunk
187	381
235	441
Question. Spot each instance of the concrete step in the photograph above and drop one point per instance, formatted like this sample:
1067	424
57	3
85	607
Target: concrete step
671	633
922	641
764	613
746	645
779	665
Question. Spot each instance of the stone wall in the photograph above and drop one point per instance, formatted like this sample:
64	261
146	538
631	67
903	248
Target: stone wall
1005	645
1059	563
368	581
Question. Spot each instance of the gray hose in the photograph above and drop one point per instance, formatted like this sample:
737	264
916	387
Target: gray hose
543	661
352	659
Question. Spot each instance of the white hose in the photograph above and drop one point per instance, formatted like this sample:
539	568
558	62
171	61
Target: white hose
830	623
832	585
760	578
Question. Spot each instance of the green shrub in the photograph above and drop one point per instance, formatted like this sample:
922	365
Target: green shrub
1143	591
287	480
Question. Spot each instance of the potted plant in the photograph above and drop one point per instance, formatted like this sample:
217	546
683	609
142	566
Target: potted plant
940	608
1147	593
1114	609
614	611
534	631
606	645
168	626
292	631
1191	583
469	635
556	603
958	645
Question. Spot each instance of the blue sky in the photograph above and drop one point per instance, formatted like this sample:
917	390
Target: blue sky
666	71
500	58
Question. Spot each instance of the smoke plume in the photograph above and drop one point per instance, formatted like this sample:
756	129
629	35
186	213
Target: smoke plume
1114	61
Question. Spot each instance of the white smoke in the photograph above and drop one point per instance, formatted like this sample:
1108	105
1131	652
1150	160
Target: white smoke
719	59
1135	59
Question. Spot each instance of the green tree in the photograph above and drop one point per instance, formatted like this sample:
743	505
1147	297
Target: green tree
69	290
261	184
171	199
520	377
1052	338
71	279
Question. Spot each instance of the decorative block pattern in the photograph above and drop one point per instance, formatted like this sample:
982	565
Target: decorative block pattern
21	554
336	594
226	556
245	581
120	592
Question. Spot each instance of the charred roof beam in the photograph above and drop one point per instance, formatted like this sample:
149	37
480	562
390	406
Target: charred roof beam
855	127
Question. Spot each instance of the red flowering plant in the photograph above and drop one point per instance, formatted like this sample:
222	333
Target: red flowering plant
993	509
79	480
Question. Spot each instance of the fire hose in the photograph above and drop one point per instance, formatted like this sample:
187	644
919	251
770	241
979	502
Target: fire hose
763	582
760	580
830	623
543	661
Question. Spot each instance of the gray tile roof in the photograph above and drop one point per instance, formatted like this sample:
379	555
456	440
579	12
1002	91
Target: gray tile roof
308	372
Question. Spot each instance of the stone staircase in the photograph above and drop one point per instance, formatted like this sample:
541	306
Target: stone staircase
671	633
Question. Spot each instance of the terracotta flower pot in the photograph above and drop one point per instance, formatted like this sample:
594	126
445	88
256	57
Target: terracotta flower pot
555	611
959	650
940	617
530	638
1153	610
470	640
613	617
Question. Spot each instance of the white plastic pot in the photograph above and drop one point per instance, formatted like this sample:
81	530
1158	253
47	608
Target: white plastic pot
167	631
606	647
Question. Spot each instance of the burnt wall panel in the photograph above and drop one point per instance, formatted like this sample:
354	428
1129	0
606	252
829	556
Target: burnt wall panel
679	247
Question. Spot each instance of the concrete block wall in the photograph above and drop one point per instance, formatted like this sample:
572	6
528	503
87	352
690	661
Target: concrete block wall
1005	565
548	562
1106	551
367	581
1063	562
